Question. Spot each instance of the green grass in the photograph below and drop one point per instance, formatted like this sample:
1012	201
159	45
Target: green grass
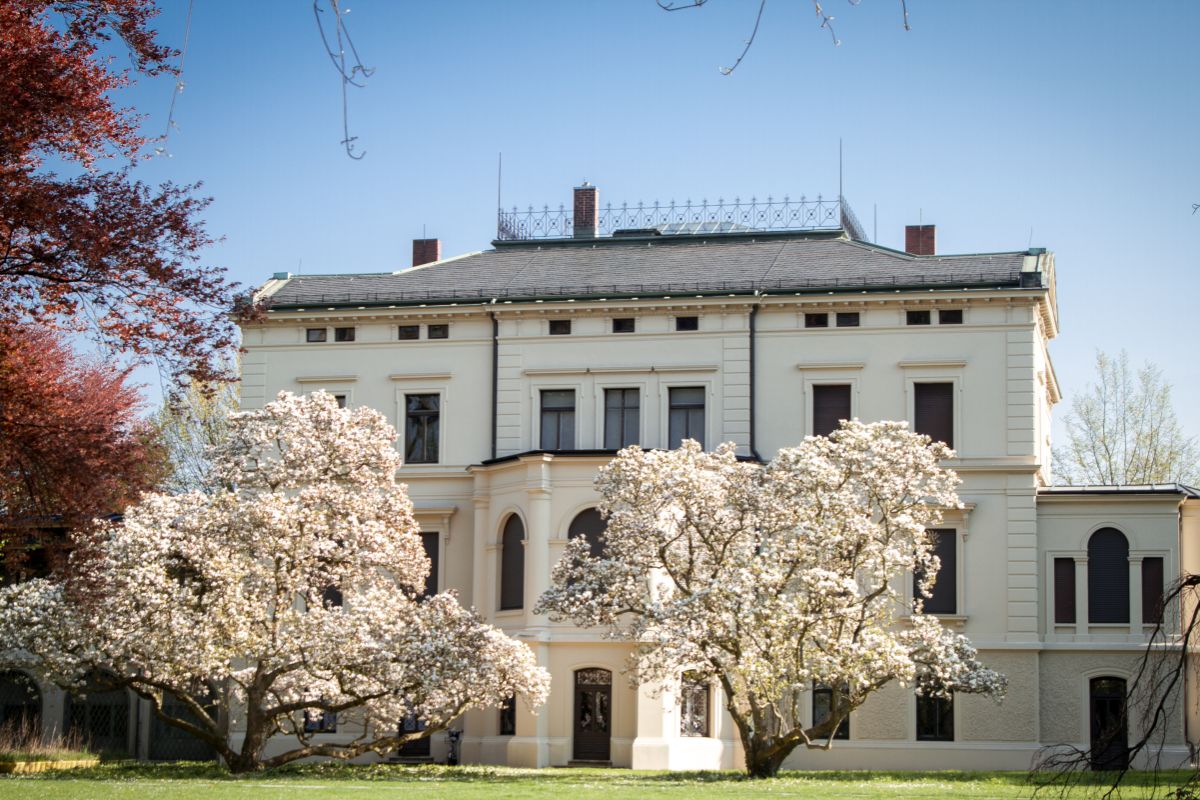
187	781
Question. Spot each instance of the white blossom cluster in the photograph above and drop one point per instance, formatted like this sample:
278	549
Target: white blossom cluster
297	588
772	578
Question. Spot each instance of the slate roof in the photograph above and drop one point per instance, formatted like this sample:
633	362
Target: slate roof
624	267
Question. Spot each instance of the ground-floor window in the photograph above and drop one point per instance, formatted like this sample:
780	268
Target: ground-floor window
508	717
823	708
935	718
694	693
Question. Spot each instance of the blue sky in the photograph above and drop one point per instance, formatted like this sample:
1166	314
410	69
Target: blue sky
1074	124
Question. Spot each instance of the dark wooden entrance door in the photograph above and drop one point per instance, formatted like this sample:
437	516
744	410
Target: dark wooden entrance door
1110	749
417	748
593	715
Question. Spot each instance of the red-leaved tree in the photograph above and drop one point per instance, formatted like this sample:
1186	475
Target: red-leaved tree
72	447
97	251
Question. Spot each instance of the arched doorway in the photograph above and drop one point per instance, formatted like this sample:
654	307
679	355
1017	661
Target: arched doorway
1110	733
20	706
593	715
100	720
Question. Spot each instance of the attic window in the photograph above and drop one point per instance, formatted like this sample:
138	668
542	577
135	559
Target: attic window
343	334
439	332
622	325
410	332
847	319
315	334
816	320
560	327
687	323
950	316
916	317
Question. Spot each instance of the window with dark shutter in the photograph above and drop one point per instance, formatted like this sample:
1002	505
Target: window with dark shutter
622	325
686	415
933	411
438	331
1108	576
560	327
831	405
621	409
916	317
508	716
687	323
430	542
405	332
1064	591
558	419
512	564
944	544
1152	590
343	334
950	316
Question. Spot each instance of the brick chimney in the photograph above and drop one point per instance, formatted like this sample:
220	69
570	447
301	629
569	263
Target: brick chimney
920	240
587	211
426	251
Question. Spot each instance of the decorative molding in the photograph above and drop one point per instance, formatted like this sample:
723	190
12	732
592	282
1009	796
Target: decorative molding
933	362
818	365
326	379
542	371
423	376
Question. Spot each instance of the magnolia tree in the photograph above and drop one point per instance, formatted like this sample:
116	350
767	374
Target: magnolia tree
294	596
772	578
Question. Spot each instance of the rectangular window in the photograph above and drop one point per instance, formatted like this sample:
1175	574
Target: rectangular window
560	327
508	716
944	544
693	706
831	405
438	332
341	400
343	334
558	419
686	414
1152	590
933	411
916	317
621	411
407	332
315	334
816	320
935	719
421	429
823	707
430	542
847	319
687	323
623	325
950	316
320	721
1064	591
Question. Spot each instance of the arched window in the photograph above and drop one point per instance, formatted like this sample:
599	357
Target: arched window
591	525
1108	576
512	564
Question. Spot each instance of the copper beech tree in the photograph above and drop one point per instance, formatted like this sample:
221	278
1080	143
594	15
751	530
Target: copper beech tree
71	443
93	249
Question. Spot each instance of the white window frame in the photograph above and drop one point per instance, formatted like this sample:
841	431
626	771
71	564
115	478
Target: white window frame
828	379
421	384
664	418
643	387
931	372
535	401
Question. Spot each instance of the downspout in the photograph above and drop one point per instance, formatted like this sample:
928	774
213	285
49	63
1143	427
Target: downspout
496	374
753	444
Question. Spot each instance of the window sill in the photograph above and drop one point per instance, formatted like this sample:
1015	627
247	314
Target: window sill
951	620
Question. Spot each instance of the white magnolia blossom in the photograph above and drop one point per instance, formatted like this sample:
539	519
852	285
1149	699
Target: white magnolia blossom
772	578
299	590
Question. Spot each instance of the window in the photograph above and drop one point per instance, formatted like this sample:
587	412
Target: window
331	597
831	405
935	718
847	319
560	327
823	707
816	320
1108	577
944	598
508	716
512	564
409	332
686	414
438	331
558	419
693	706
623	325
1152	590
590	525
916	317
687	323
933	411
1064	591
343	334
315	334
950	316
430	542
621	410
421	439
341	400
320	721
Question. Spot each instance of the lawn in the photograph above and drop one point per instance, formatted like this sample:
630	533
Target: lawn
187	781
